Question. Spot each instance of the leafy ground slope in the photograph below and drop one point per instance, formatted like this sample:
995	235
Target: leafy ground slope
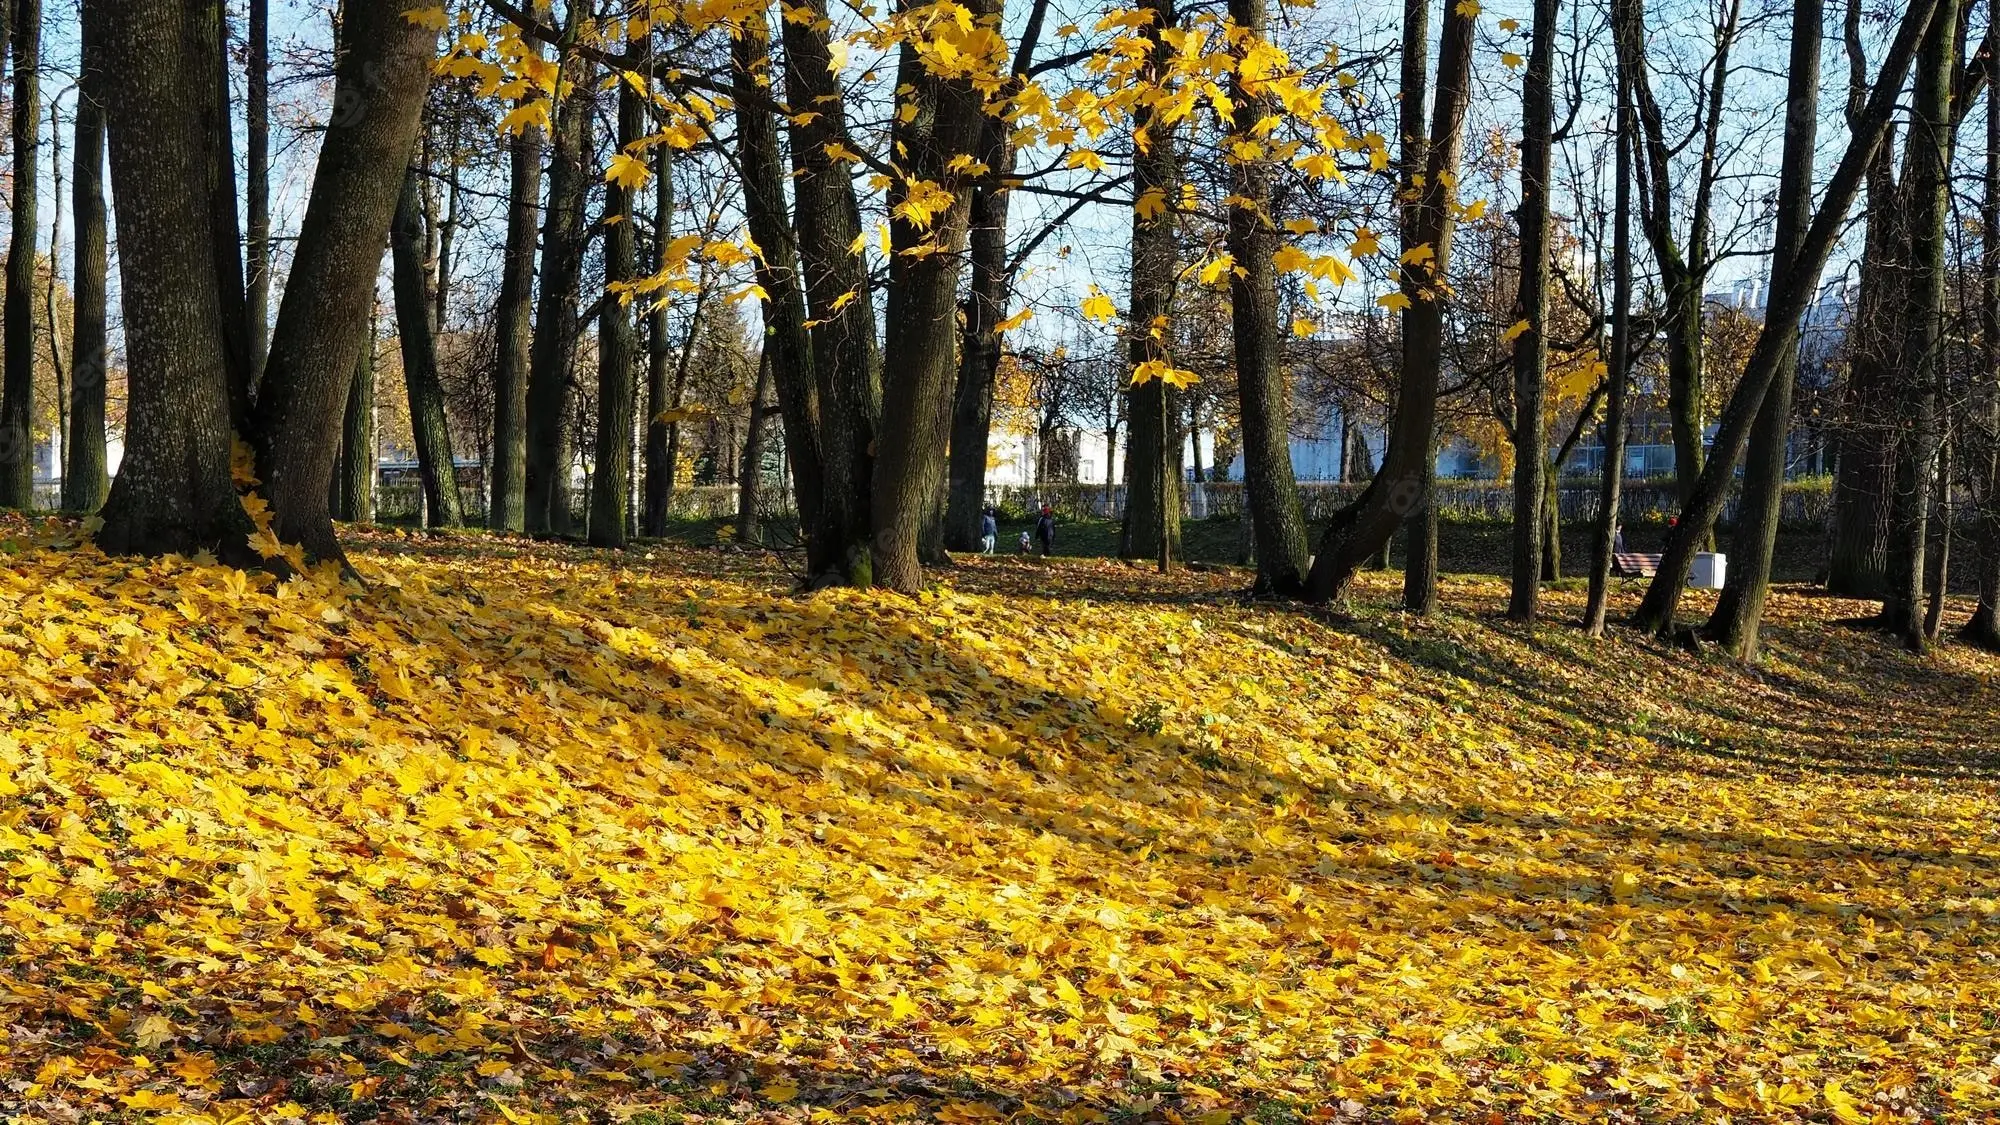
528	831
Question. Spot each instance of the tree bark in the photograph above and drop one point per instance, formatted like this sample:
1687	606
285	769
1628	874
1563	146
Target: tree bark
420	370
85	481
1152	523
611	486
357	438
1269	487
1790	295
514	324
17	382
257	185
790	352
1531	348
174	492
1420	550
1361	529
658	488
920	353
749	481
384	66
1929	184
827	219
227	233
1740	610
553	350
1983	444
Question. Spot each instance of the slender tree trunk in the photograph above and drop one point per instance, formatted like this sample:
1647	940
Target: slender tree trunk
611	488
357	441
1929	183
1790	294
979	353
1420	552
750	480
227	244
173	493
384	63
1604	536
1152	524
257	185
1983	451
1269	487
1551	519
514	328
658	489
17	383
827	218
85	481
920	353
420	371
792	355
1398	489
1741	608
1531	348
553	349
1944	526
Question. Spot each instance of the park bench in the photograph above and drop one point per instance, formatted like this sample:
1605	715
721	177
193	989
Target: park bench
1632	564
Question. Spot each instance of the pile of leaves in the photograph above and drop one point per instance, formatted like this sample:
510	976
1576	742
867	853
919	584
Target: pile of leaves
527	833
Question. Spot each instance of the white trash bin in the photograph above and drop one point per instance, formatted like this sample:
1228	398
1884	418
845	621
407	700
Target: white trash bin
1709	572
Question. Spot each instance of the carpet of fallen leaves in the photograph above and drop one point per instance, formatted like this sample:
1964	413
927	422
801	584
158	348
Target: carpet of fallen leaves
526	833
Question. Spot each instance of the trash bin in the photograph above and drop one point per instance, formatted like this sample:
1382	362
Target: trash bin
1709	572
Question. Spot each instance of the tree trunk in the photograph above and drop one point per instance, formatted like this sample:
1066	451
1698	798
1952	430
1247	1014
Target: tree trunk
384	64
1940	556
17	382
790	352
1551	519
1361	529
173	493
257	186
1790	294
920	353
1269	487
1531	348
553	350
1929	184
1604	536
658	488
1740	610
420	371
227	233
1983	444
514	325
357	438
611	487
827	219
1420	551
84	476
750	480
1152	524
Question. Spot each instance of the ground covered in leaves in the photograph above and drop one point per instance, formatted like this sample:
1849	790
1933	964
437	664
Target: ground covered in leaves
520	833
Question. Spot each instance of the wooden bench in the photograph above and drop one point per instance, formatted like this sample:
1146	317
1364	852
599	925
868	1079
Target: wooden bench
1632	564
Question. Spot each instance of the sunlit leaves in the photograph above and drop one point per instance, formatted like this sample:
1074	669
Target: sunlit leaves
1098	307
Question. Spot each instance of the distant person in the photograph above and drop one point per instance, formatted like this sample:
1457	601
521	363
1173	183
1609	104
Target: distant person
989	531
1618	539
1045	531
1027	544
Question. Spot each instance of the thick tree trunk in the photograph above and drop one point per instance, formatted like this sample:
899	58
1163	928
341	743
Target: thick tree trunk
1152	524
658	489
1398	488
84	476
749	481
357	438
1531	348
1929	183
257	185
420	370
514	328
828	221
173	493
1604	536
564	237
979	352
788	350
1420	550
611	486
1789	297
17	382
385	64
920	353
1740	610
1269	487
